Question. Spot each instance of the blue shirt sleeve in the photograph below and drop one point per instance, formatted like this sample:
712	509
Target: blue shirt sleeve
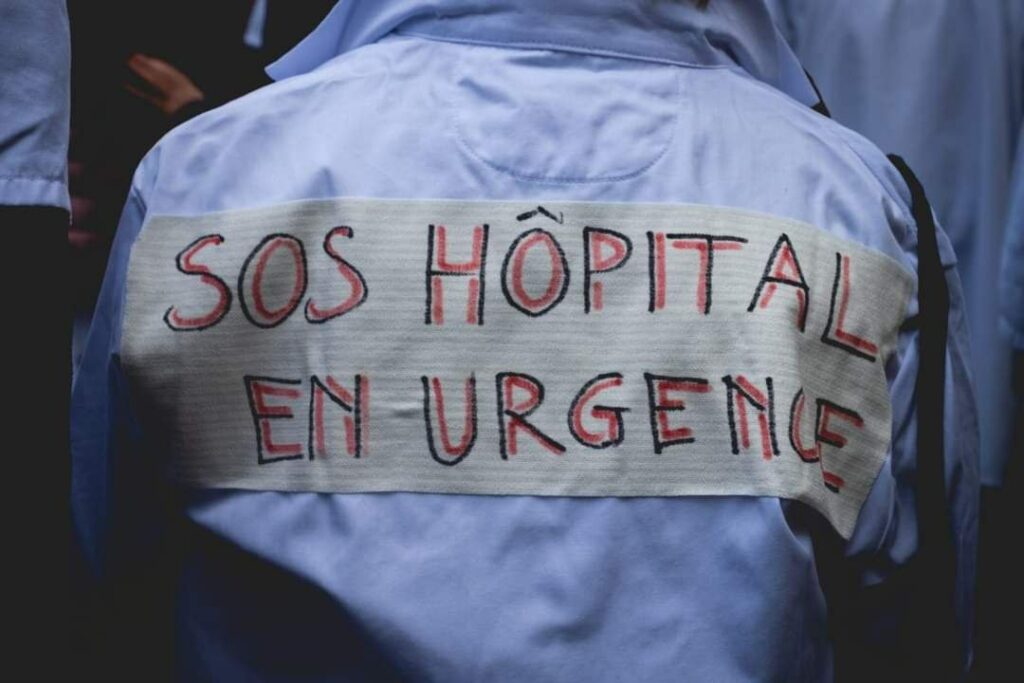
35	66
109	463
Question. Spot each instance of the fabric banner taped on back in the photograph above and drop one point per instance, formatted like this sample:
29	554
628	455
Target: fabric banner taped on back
569	349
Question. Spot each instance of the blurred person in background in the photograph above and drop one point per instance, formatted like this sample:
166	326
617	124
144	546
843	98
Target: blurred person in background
140	69
1011	285
163	64
1005	564
34	202
940	82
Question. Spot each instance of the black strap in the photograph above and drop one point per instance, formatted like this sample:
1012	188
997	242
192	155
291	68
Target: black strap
932	625
926	645
820	106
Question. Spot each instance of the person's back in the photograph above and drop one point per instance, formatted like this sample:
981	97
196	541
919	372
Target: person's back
527	338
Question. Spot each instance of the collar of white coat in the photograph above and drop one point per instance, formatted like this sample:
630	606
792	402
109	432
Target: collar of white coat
728	33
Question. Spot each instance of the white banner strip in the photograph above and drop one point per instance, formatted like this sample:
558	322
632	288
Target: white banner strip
570	349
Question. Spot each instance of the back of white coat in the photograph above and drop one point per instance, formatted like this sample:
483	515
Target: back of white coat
659	532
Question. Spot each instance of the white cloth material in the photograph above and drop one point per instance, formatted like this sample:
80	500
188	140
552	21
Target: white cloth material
777	387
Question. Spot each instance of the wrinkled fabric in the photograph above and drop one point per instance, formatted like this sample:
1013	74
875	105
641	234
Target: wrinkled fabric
942	85
35	104
1011	285
463	587
714	38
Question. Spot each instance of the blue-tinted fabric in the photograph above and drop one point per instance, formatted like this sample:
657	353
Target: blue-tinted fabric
1011	290
713	39
457	587
941	83
35	105
256	25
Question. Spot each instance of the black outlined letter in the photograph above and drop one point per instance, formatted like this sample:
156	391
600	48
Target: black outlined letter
660	403
597	260
741	393
783	268
354	404
439	267
615	431
351	275
512	414
453	453
258	313
823	433
512	277
174	319
704	245
837	336
258	389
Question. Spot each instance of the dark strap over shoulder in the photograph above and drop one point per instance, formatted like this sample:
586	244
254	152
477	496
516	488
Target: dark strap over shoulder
926	644
933	627
820	106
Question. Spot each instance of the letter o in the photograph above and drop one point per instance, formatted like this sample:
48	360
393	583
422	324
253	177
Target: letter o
512	273
251	294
